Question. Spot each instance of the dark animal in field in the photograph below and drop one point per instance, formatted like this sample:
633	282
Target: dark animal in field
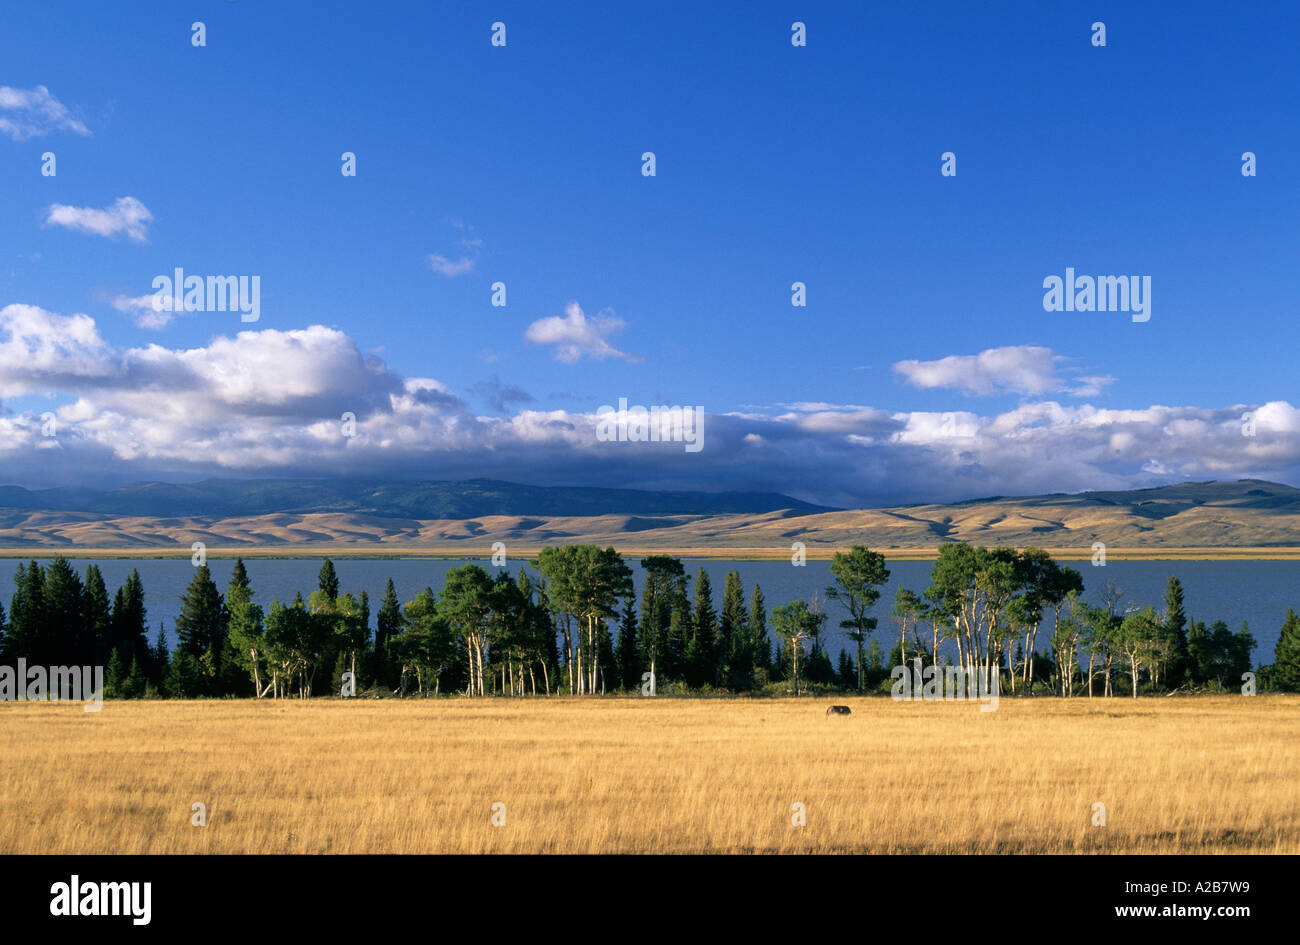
838	710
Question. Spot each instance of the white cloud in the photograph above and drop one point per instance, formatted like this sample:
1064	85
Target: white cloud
1017	369
450	267
126	216
270	402
41	351
575	336
148	311
31	113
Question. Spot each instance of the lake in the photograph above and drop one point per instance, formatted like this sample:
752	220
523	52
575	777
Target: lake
1258	592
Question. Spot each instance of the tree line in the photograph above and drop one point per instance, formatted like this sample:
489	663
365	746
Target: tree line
578	629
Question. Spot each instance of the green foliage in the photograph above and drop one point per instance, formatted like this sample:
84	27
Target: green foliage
1286	655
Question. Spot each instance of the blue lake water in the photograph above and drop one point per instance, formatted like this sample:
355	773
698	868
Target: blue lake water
1258	592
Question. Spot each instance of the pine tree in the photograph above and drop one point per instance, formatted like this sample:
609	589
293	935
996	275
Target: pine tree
28	635
129	631
760	647
733	632
137	685
158	661
859	574
98	614
388	624
239	577
1174	631
115	677
700	648
201	624
65	607
1286	655
845	673
245	630
328	581
629	654
184	680
679	631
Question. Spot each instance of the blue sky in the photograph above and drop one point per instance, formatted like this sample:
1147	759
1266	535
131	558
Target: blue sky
775	164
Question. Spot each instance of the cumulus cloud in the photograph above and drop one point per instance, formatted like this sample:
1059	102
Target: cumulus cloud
271	402
575	336
32	113
127	216
1031	370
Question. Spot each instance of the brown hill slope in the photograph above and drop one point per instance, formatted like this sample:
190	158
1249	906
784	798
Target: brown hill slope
1215	515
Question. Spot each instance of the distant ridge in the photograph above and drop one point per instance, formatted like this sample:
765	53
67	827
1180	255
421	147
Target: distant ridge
425	500
467	517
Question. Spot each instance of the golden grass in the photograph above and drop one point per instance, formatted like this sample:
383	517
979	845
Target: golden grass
1202	774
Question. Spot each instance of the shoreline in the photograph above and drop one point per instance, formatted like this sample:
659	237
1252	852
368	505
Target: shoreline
529	552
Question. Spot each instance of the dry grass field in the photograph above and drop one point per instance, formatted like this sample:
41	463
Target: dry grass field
1202	774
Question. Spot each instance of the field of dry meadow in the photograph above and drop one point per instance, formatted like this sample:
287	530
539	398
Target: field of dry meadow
1198	774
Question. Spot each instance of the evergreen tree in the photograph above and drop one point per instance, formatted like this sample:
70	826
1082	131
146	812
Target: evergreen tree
388	624
158	661
679	631
99	616
245	629
128	629
201	625
735	660
115	677
700	648
655	619
845	674
760	647
629	653
136	685
859	575
1286	655
1174	632
70	642
28	635
184	679
328	581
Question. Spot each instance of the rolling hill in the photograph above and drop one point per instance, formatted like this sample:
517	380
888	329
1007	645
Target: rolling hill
438	517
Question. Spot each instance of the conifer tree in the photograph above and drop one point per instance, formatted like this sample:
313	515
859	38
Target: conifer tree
1286	655
328	581
201	624
99	615
388	623
700	649
733	650
760	647
629	653
245	626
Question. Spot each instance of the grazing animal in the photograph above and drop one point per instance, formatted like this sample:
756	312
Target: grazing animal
838	710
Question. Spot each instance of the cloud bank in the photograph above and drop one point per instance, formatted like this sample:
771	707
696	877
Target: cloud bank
272	402
1021	369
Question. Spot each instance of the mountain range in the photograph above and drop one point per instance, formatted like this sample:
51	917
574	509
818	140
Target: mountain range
283	515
